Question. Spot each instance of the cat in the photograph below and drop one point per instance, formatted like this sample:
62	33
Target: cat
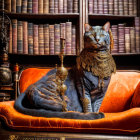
86	83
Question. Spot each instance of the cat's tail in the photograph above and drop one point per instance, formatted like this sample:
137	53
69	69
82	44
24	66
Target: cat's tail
19	106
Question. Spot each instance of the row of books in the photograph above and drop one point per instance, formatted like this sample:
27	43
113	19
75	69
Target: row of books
40	39
114	7
126	39
42	6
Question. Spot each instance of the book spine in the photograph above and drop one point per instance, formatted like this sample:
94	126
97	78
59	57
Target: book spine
131	6
46	39
35	6
73	48
135	7
14	36
25	37
35	39
57	39
63	34
125	7
100	7
51	39
7	5
70	6
121	38
116	7
13	6
30	38
127	39
90	6
76	6
41	39
114	30
19	37
46	6
60	7
65	6
29	6
10	40
120	3
40	6
137	31
24	6
132	40
110	6
55	6
95	6
68	37
105	6
18	6
51	6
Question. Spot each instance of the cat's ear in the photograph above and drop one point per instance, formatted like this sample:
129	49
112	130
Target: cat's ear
106	27
87	27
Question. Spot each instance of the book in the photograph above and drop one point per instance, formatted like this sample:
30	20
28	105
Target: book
68	37
24	6
19	37
35	5
51	39
135	7
7	5
90	6
69	6
35	39
29	6
46	39
14	35
41	39
30	38
105	6
95	6
132	40
40	6
116	7
76	6
60	6
56	6
100	7
45	6
63	35
130	6
73	47
51	6
18	6
25	37
64	6
137	32
110	6
57	39
126	7
127	39
120	6
13	6
10	39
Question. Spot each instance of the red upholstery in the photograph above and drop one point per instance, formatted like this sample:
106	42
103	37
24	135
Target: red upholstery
116	106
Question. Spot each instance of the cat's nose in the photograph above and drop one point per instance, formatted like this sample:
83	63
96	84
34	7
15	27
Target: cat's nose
97	40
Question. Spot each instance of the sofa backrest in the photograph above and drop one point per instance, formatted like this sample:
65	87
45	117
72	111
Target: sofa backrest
118	95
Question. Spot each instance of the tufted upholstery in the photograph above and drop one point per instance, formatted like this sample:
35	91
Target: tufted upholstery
116	106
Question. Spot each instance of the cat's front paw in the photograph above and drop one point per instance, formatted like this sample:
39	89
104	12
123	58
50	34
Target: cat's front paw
94	115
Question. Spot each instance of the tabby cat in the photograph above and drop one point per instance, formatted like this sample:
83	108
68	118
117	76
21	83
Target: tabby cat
86	83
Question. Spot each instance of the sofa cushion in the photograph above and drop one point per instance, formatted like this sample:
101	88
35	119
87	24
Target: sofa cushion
136	97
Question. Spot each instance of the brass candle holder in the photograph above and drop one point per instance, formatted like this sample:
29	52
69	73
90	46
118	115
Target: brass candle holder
61	75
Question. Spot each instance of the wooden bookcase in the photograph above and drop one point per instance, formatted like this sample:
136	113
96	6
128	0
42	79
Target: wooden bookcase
123	60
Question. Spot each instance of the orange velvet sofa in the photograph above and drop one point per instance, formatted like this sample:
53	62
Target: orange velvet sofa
121	106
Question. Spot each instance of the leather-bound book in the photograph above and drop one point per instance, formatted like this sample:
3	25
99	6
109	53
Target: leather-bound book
51	6
106	6
30	38
19	37
29	6
64	6
57	39
56	4
126	7
10	39
13	6
95	6
60	6
90	6
100	7
7	5
110	7
18	6
137	31
41	39
35	38
40	6
76	6
73	47
25	37
24	6
14	35
51	39
120	6
127	39
70	6
35	6
46	6
116	7
131	7
46	39
132	40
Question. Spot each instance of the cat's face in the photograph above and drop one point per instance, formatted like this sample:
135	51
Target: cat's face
97	37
